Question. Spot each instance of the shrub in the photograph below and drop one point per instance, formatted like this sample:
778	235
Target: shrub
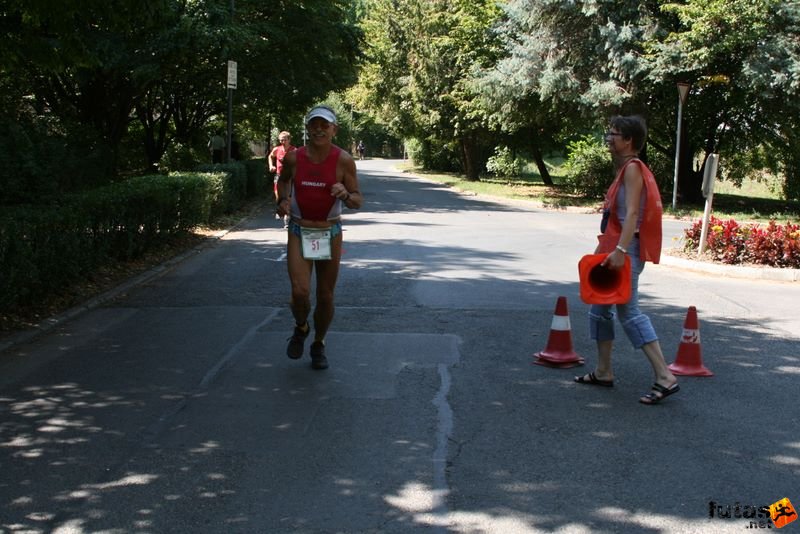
663	171
434	154
258	182
41	250
589	170
504	163
729	242
181	157
230	188
37	165
44	248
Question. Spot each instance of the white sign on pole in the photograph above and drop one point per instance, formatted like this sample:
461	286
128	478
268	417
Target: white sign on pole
231	74
708	191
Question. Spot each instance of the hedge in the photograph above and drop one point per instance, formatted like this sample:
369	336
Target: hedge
44	248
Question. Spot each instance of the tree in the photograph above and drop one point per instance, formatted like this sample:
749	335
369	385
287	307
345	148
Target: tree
566	65
100	62
92	69
418	62
743	58
282	67
576	62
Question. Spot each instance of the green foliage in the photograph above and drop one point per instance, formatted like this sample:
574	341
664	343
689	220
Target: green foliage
37	164
434	155
182	157
229	186
420	56
44	248
259	183
743	60
662	168
588	169
505	163
569	64
161	65
40	250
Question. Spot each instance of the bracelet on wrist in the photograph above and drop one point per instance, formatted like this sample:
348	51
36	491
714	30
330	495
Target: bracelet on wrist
347	197
618	247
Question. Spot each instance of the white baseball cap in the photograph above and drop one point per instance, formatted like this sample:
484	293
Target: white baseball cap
322	112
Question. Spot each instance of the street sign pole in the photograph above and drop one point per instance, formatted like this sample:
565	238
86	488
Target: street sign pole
231	86
709	178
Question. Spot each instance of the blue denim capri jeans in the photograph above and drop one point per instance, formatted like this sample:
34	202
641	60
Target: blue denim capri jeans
636	325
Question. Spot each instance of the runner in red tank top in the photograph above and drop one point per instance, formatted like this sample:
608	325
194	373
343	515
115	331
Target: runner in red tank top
275	164
316	182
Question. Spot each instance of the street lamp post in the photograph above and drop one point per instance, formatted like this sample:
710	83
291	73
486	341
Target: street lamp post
683	94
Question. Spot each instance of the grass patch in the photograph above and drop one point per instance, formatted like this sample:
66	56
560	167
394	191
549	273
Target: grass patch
529	186
747	209
766	186
729	202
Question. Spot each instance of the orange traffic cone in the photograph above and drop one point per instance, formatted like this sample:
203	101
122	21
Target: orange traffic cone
558	352
601	285
689	361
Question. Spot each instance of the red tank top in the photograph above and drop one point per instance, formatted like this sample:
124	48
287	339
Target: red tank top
312	198
280	152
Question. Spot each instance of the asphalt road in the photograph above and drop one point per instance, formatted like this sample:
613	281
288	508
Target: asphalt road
173	408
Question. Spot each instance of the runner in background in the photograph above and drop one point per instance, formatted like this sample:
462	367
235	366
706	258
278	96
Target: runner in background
275	164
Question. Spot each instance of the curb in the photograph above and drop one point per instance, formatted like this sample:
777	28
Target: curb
51	323
732	271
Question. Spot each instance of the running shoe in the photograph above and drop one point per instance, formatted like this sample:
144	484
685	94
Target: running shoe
294	349
318	359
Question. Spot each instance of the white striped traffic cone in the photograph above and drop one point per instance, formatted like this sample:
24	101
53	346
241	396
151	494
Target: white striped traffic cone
689	361
558	352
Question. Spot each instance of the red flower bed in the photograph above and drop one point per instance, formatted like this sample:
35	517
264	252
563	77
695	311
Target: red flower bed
729	242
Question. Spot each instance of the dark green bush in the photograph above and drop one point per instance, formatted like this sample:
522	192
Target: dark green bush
231	191
663	168
181	157
44	248
127	218
41	250
504	163
435	154
37	164
589	170
258	183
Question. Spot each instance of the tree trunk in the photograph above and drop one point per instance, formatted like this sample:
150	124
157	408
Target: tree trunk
155	120
471	155
690	181
540	164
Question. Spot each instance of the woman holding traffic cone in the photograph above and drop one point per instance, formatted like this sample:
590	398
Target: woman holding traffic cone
631	226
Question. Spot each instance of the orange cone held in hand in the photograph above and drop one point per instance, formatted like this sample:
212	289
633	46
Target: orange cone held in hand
689	361
558	352
601	285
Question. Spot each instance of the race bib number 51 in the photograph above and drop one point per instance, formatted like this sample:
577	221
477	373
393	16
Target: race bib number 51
316	243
